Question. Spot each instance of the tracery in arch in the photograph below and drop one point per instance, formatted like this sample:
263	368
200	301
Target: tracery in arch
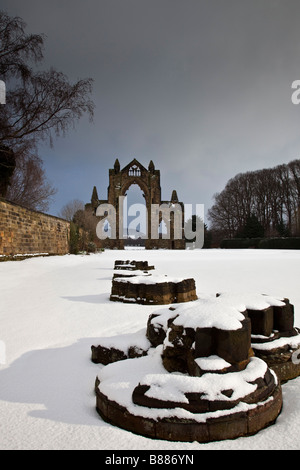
134	170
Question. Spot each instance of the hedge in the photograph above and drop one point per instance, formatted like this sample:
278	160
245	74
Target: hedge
280	244
262	243
240	243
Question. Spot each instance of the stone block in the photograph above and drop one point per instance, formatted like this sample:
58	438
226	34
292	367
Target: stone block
156	333
234	345
102	355
284	317
204	342
262	322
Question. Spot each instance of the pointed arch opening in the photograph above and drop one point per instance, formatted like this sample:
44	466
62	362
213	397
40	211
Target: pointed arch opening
135	221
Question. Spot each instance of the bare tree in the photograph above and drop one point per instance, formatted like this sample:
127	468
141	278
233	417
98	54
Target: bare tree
87	221
271	195
17	49
294	168
69	210
29	186
45	105
83	224
39	106
7	168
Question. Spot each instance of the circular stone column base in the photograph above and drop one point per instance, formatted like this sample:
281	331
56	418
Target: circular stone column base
229	426
140	396
152	290
281	352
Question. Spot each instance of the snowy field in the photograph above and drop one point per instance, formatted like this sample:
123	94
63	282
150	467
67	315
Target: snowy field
53	309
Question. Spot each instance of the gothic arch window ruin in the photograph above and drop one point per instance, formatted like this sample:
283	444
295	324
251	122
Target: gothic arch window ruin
120	180
134	216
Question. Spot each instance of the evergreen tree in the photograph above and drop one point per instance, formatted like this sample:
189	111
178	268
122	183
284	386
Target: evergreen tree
252	228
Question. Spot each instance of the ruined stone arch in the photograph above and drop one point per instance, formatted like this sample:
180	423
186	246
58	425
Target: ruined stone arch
143	187
146	203
148	181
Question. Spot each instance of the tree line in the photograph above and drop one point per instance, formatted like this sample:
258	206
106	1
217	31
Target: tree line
267	199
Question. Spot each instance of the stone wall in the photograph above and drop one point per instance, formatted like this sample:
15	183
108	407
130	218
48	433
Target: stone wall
23	231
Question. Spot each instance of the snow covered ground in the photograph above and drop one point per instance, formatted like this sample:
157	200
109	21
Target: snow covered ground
52	310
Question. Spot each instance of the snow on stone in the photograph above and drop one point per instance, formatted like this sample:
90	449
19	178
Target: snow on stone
163	316
212	363
54	308
211	385
151	279
126	341
130	273
292	342
208	313
251	301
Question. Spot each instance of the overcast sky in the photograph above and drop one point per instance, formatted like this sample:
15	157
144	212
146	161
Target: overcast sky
201	87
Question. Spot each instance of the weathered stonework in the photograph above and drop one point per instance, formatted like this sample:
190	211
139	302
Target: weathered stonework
274	338
279	348
111	350
186	345
120	181
131	268
220	391
23	231
152	290
230	426
103	355
133	265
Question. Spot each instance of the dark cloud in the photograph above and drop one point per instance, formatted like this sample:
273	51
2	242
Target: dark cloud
203	88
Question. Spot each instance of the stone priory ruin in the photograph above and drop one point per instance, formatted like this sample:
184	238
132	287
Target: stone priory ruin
148	180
